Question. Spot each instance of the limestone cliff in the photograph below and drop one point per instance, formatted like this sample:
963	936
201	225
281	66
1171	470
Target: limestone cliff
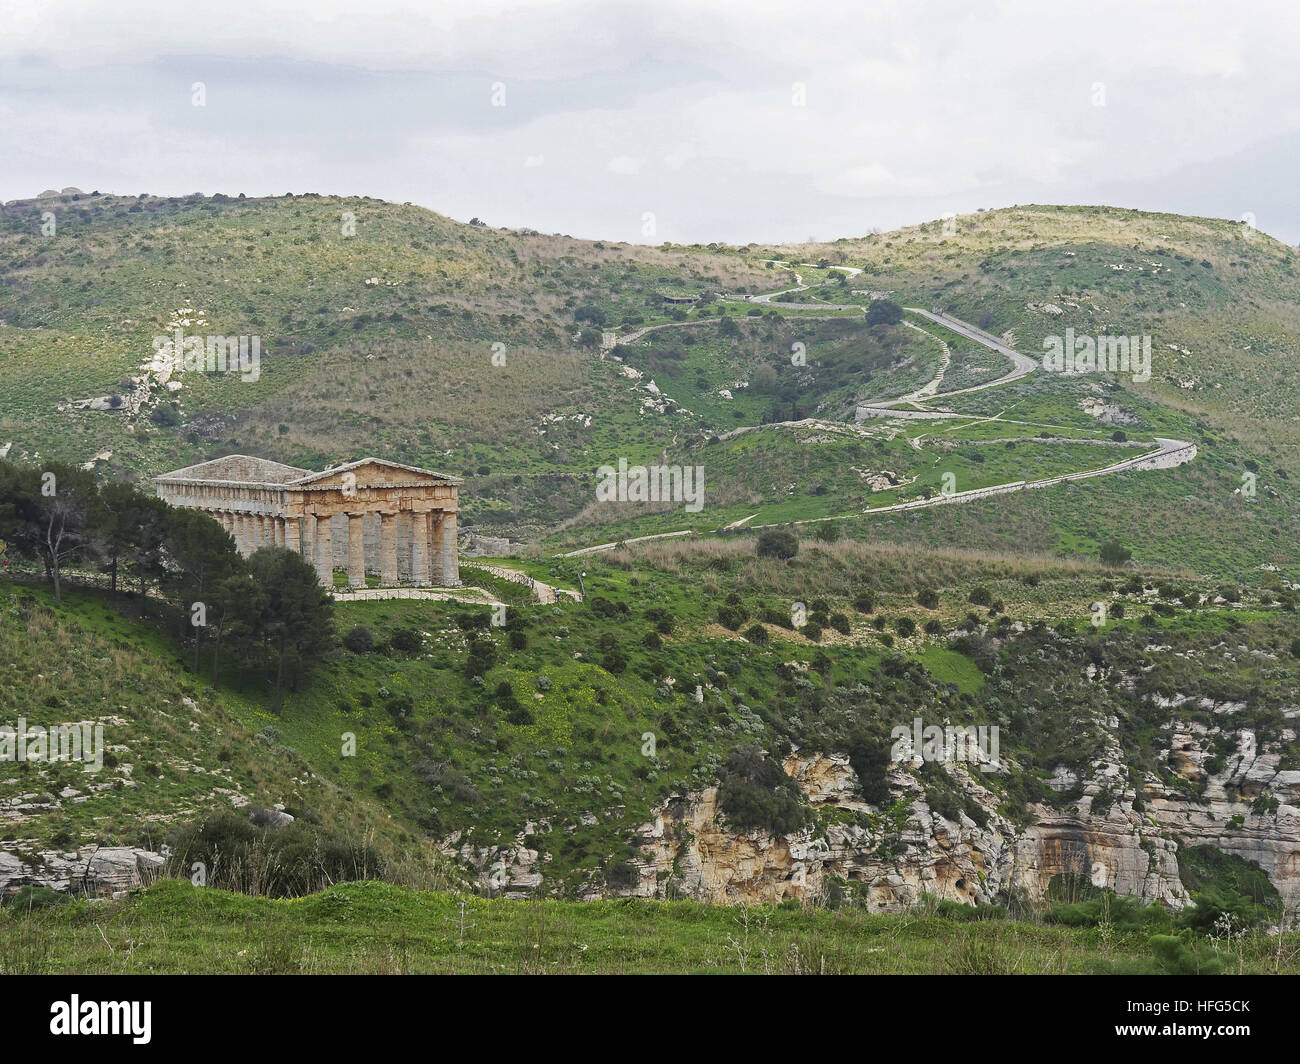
1110	835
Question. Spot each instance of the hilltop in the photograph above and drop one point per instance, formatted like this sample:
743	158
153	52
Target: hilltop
479	351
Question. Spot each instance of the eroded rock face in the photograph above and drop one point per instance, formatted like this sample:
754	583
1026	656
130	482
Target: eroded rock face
926	853
90	870
688	851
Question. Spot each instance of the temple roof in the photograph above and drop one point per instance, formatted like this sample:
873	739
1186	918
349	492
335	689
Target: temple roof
242	469
237	469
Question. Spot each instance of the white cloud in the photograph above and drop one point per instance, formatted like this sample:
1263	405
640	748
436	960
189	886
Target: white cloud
911	108
624	165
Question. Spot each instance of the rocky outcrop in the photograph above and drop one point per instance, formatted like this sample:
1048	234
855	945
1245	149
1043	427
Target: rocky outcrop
690	853
90	870
1108	834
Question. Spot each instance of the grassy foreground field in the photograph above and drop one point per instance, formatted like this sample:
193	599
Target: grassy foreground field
376	928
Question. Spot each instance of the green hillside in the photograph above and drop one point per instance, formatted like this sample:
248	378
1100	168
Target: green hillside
478	351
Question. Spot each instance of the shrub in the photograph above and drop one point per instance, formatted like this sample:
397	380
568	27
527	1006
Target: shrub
929	598
622	874
286	862
828	531
947	909
865	602
905	627
1216	906
360	640
407	640
777	543
869	758
754	792
732	617
884	312
1112	553
757	634
1123	912
31	897
1178	955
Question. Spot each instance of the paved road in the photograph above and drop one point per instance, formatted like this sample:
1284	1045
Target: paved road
1168	452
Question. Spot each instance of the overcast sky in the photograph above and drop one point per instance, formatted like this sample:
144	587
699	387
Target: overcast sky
729	121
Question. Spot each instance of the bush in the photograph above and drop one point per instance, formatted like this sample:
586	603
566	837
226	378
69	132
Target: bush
869	758
31	897
947	909
407	640
482	656
1112	553
777	543
732	617
1123	912
360	640
884	312
929	598
1178	955
757	634
286	862
1217	907
828	531
905	627
865	602
622	875
754	792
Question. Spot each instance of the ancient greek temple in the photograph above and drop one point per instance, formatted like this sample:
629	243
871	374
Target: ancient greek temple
395	522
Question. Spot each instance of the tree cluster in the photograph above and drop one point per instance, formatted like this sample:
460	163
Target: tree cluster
268	612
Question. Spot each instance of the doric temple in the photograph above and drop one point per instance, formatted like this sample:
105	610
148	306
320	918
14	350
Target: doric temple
394	521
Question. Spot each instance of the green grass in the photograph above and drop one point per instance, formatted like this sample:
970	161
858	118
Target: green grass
372	928
949	666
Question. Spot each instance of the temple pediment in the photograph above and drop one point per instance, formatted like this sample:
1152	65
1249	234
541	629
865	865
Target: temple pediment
374	473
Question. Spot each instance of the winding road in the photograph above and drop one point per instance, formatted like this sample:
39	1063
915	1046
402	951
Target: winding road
1167	454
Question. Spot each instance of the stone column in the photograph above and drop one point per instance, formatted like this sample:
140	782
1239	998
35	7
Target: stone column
420	548
402	520
259	531
435	547
388	550
292	539
324	550
450	566
356	550
241	534
309	538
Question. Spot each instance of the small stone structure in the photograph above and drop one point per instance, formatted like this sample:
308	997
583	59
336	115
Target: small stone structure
397	522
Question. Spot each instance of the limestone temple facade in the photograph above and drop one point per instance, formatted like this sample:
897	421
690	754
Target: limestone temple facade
394	521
